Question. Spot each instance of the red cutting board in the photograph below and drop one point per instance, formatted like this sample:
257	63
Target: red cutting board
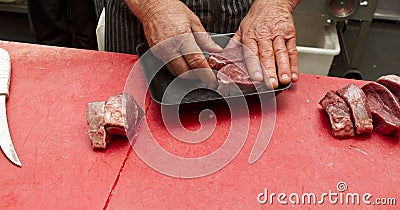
49	91
302	157
50	87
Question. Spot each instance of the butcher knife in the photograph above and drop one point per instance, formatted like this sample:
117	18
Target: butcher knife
5	138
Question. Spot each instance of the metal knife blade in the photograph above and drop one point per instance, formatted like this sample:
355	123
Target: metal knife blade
5	138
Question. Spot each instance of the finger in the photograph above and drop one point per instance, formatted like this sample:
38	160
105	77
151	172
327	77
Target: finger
293	59
236	39
167	50
250	53
267	60
204	40
178	66
282	60
197	60
203	71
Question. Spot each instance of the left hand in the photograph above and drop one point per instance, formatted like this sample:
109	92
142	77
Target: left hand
175	35
269	38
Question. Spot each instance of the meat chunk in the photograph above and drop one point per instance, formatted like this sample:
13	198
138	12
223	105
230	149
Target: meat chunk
232	72
231	75
105	119
95	120
114	116
216	62
359	108
229	55
226	56
133	115
391	82
339	115
384	108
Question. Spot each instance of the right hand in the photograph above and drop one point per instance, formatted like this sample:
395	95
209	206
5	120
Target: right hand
268	34
164	19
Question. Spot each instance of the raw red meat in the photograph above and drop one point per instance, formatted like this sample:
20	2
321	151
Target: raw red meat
359	108
230	55
109	118
384	107
391	82
339	115
114	116
95	120
231	75
216	62
227	56
232	72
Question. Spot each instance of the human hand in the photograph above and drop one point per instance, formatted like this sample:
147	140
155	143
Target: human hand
269	38
175	33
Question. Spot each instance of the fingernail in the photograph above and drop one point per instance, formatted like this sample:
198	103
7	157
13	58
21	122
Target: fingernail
258	76
285	77
294	77
272	81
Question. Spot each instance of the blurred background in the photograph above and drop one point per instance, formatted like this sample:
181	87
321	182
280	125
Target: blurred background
341	38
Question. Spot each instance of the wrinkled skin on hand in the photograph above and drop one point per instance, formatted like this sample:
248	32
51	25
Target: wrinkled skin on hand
269	37
164	19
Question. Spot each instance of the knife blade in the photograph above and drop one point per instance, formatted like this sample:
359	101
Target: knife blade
5	139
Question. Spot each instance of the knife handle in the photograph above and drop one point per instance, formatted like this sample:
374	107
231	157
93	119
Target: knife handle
5	71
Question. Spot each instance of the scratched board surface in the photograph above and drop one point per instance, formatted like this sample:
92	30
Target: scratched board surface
302	157
49	90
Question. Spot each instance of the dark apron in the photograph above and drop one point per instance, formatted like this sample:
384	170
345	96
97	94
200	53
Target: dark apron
123	31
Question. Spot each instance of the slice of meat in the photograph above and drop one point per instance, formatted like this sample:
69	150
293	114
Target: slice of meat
384	108
339	115
114	116
231	75
134	115
226	56
359	109
109	118
216	62
95	120
391	82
